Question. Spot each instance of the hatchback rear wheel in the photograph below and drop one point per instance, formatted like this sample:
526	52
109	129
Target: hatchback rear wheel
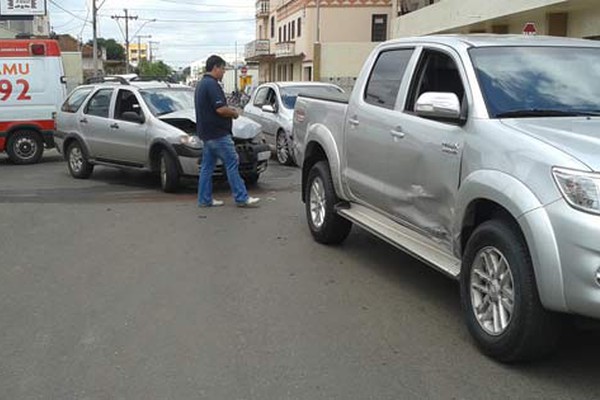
77	163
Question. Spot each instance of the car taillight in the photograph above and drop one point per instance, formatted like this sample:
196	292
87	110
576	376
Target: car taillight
54	114
38	50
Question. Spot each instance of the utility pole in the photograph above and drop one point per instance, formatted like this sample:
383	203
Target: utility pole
126	17
95	29
235	68
139	48
150	43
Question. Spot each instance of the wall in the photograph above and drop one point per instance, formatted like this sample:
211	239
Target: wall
355	20
584	23
341	62
452	14
73	65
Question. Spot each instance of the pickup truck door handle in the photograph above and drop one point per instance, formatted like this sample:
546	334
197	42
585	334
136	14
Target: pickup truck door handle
114	126
397	133
353	121
83	121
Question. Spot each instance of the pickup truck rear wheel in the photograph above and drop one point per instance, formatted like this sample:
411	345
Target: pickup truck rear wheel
499	296
169	175
325	224
25	147
77	163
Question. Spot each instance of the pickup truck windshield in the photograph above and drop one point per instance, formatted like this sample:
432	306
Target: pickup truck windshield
165	101
520	82
289	94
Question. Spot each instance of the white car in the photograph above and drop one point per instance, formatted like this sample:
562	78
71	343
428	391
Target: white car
272	106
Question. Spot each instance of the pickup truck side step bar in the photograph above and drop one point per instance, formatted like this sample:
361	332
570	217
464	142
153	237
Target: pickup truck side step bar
403	238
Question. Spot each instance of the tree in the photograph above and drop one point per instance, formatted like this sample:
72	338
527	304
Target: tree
114	51
157	69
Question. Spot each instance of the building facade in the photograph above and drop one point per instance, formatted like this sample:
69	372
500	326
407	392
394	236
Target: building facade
138	52
573	18
33	26
316	39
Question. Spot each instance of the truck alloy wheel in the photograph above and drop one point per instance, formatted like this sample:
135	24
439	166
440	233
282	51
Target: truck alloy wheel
499	295
492	291
325	224
25	147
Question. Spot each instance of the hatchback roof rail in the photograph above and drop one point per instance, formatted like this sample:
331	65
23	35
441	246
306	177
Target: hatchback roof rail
108	78
165	79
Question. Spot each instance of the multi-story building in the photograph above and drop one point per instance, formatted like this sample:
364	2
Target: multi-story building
138	52
573	18
33	26
316	39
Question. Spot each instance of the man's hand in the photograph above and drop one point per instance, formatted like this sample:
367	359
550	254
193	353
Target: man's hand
228	112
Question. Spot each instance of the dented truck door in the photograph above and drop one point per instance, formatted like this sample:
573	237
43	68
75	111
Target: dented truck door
426	166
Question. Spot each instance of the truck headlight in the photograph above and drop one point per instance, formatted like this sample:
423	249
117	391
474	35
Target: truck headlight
580	189
191	141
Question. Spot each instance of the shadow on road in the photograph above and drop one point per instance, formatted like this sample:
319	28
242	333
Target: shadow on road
576	359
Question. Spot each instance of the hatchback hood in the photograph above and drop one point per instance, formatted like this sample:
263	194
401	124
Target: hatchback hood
243	127
577	136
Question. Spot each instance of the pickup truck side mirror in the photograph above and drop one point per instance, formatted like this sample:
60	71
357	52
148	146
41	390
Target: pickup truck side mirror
441	106
269	109
131	116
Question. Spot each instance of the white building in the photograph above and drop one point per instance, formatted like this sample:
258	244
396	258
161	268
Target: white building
573	18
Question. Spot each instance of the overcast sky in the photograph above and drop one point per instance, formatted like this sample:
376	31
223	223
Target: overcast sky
187	30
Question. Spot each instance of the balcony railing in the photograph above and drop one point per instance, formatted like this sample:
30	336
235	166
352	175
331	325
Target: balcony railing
257	48
262	8
285	49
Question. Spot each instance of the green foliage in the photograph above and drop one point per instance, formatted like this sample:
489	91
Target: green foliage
157	69
114	51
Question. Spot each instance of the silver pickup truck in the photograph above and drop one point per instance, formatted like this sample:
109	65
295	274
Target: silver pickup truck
479	155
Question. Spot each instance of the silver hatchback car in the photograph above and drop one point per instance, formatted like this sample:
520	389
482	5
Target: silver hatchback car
144	125
272	106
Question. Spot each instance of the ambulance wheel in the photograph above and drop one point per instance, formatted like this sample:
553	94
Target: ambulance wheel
25	147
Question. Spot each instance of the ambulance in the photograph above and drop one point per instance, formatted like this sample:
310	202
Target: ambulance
32	87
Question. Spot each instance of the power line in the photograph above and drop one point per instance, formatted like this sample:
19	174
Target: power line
68	12
127	18
189	21
196	4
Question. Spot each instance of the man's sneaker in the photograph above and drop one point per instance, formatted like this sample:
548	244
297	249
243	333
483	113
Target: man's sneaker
215	203
252	202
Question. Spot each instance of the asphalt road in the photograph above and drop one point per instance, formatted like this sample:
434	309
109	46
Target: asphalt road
110	289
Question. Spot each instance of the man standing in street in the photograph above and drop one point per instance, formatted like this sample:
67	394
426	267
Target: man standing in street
214	124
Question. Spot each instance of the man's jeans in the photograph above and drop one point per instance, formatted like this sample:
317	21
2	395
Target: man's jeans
224	149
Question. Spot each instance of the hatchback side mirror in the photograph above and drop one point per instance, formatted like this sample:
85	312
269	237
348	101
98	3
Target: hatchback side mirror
269	109
131	116
443	106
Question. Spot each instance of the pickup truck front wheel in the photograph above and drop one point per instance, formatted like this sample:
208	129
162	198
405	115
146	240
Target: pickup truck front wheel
326	226
499	296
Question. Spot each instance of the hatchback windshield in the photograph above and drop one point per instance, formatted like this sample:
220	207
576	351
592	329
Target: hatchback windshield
539	81
165	101
289	94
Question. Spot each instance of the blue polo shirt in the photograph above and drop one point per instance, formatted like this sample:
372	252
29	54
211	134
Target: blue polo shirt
209	97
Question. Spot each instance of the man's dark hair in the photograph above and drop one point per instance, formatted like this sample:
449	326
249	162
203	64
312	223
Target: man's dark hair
214	61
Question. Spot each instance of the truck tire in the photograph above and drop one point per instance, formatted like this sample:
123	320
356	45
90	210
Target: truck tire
25	147
77	163
326	226
499	296
282	149
169	175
